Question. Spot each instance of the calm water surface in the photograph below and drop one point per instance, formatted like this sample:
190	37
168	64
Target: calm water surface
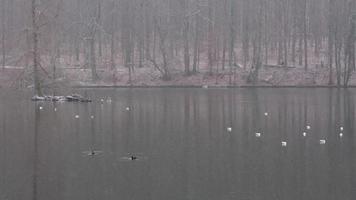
183	147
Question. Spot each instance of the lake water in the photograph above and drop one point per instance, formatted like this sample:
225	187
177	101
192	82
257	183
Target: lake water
184	147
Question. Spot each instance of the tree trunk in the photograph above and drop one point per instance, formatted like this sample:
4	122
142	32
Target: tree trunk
245	32
186	47
196	42
210	37
232	39
350	52
99	32
305	35
330	40
300	51
3	34
141	37
37	84
337	60
112	51
94	74
232	35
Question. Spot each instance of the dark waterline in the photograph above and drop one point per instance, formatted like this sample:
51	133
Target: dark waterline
183	147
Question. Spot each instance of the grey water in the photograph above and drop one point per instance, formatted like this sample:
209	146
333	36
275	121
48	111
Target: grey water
183	145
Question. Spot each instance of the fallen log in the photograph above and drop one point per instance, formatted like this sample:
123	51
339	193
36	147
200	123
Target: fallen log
70	98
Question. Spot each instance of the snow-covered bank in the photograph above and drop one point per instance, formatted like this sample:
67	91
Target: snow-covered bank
268	76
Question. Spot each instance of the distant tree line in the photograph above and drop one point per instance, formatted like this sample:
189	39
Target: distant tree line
203	34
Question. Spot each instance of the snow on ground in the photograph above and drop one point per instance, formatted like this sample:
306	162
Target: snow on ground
268	76
9	77
73	73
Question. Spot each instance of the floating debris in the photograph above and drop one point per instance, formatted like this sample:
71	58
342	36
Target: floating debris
229	129
206	86
341	135
341	128
55	109
128	109
266	114
258	134
322	141
284	144
109	100
77	116
77	98
92	117
308	127
304	134
102	100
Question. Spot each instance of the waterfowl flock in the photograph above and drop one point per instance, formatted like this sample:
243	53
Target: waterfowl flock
304	134
228	129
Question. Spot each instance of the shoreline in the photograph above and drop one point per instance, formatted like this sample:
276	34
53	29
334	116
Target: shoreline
209	86
150	78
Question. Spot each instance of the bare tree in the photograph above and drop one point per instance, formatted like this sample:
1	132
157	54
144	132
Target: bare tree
179	36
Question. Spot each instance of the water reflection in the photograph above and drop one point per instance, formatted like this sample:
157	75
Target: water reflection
37	117
182	145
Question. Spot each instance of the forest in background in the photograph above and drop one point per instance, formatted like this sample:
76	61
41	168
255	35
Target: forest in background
109	41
